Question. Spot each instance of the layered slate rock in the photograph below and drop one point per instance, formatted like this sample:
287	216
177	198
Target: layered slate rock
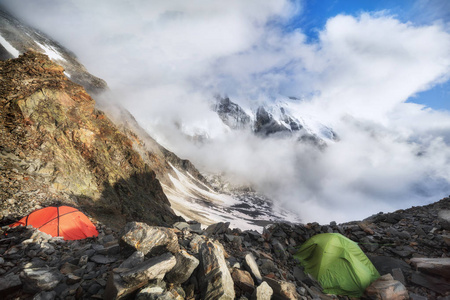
218	228
150	240
243	281
185	266
216	278
435	266
124	283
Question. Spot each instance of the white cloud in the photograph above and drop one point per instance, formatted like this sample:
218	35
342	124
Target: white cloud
166	59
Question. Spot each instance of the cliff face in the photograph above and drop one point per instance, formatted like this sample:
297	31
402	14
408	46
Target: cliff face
56	147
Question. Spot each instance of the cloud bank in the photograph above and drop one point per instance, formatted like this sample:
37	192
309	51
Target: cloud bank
165	59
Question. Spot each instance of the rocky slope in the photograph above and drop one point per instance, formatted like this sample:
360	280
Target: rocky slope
17	38
55	146
409	247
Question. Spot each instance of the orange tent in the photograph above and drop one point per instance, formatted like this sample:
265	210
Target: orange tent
64	221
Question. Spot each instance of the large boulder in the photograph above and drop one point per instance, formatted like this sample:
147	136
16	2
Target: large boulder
282	290
386	288
243	281
186	264
133	260
121	284
216	281
218	228
150	240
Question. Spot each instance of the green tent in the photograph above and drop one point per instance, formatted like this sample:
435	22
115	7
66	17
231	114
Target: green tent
337	263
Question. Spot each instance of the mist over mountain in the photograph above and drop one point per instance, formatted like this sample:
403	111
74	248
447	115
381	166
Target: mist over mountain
165	62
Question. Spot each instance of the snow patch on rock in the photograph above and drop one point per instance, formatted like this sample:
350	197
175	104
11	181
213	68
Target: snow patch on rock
14	52
51	52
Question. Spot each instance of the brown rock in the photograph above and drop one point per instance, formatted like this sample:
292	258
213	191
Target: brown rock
282	290
243	281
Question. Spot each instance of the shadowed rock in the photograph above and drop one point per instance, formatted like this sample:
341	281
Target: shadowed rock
186	264
9	283
434	266
215	276
40	279
251	266
243	281
149	240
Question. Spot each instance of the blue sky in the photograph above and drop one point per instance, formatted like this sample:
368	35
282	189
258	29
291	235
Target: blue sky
315	14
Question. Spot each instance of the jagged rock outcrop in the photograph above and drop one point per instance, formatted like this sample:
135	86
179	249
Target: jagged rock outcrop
231	114
55	146
265	124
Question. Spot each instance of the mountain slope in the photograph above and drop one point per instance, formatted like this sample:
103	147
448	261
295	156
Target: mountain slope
56	147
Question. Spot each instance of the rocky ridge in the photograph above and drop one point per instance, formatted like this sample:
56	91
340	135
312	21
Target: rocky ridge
21	38
186	262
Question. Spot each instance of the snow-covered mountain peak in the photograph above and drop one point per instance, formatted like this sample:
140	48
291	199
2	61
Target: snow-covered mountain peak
283	116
